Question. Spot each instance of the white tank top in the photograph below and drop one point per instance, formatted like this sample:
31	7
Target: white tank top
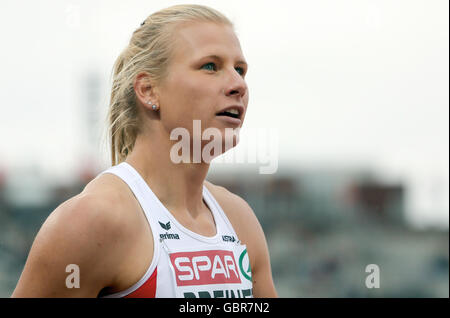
184	263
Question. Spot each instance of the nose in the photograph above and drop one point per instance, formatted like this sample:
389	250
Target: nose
236	85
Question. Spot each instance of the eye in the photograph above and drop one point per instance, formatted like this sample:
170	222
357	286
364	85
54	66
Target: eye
210	66
240	70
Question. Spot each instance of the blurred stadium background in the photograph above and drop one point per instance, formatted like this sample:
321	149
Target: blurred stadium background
324	220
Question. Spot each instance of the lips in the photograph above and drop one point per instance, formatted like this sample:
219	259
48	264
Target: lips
234	111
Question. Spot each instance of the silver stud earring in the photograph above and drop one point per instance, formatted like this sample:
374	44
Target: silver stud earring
154	106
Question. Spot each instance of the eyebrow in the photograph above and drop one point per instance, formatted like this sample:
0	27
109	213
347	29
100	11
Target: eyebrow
219	58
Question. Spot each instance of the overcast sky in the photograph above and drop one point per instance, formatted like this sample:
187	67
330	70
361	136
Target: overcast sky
344	83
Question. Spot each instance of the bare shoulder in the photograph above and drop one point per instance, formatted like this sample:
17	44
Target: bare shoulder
102	206
106	210
88	230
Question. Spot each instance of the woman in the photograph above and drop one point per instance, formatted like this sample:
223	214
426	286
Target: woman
149	226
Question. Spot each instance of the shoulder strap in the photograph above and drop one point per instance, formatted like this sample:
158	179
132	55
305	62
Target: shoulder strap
216	206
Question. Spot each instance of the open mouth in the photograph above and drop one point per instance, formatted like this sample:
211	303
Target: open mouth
230	113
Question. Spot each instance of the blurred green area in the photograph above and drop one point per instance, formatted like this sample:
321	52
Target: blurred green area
323	228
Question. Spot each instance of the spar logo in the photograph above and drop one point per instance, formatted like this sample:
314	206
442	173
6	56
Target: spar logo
244	265
205	267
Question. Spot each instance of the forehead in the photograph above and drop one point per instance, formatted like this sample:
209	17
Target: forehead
197	39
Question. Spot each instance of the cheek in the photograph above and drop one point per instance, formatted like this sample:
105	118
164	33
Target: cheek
186	100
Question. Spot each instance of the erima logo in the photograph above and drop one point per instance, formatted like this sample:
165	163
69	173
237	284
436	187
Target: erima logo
228	238
167	235
165	226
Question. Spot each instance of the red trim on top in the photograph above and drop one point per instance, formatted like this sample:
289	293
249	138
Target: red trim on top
146	290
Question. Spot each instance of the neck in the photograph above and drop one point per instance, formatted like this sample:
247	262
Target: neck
179	186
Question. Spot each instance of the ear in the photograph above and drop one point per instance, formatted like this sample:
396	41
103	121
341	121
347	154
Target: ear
145	90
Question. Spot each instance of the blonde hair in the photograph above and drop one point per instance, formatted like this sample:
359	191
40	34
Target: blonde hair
149	50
